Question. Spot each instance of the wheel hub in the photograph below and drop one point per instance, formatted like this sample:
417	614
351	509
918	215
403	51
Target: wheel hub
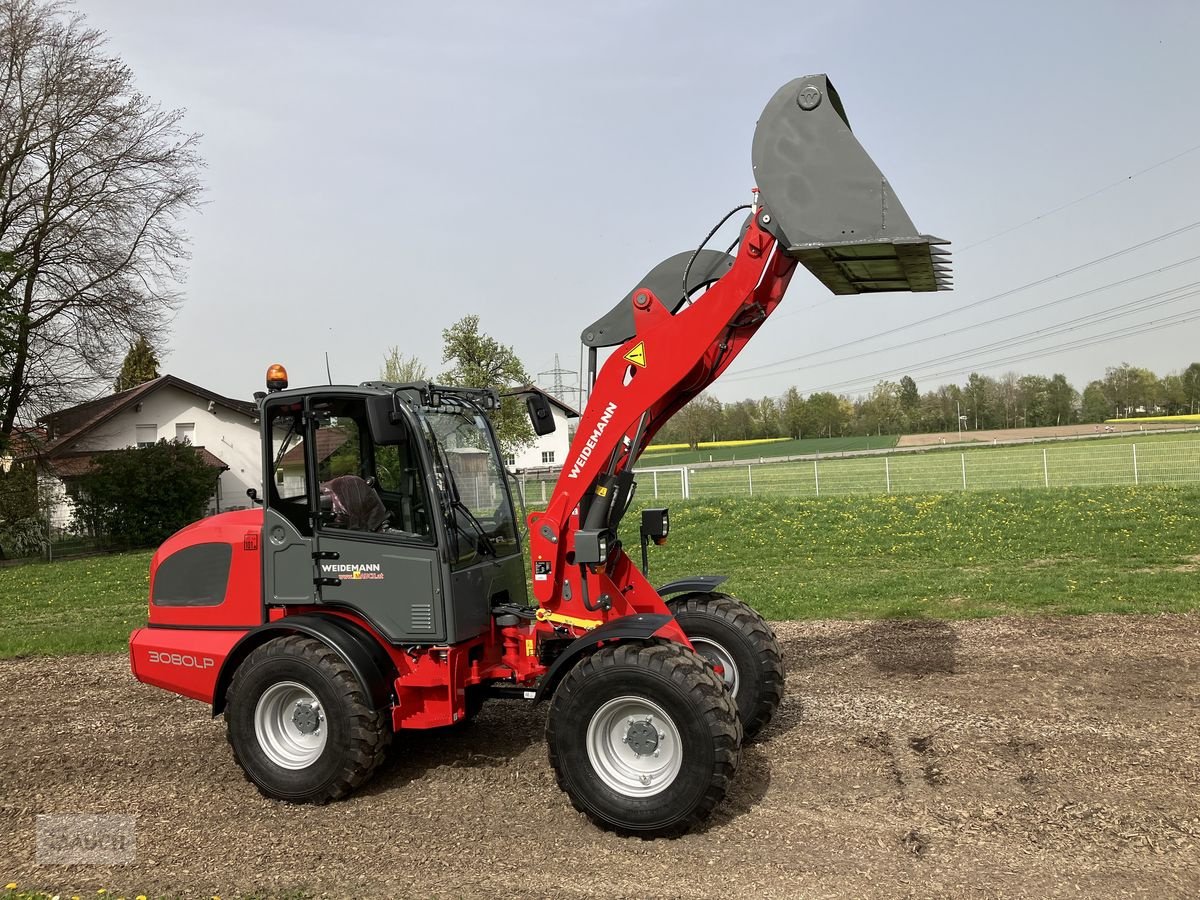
642	737
306	717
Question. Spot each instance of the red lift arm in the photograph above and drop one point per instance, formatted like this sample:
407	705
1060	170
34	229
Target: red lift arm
826	206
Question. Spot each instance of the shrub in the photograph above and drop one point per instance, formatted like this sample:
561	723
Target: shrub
139	497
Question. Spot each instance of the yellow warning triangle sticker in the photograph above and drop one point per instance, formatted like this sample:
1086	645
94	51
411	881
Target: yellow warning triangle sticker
637	355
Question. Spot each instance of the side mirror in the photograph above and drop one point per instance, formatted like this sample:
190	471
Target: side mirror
541	415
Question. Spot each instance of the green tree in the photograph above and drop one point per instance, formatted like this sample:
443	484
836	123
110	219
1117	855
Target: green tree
792	413
141	496
1130	389
1096	407
477	360
1061	399
698	421
401	369
140	366
1191	387
910	401
827	414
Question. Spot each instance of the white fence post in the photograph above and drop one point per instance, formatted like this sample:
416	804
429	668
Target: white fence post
1045	467
964	468
816	478
887	474
543	492
1135	471
655	485
685	486
750	479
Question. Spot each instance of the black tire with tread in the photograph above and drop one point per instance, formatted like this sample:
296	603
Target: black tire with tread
702	709
749	640
359	735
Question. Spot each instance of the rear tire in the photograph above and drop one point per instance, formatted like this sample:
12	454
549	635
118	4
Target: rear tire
726	631
300	724
643	739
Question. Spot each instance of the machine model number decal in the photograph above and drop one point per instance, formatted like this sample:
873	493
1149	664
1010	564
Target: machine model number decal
182	659
355	571
593	440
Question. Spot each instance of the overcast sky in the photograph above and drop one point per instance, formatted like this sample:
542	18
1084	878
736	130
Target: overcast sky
378	170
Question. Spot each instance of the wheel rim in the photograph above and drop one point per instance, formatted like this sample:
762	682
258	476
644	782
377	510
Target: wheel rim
290	725
634	746
718	656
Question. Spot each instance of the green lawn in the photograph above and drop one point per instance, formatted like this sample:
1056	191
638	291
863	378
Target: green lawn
754	452
952	555
76	606
949	555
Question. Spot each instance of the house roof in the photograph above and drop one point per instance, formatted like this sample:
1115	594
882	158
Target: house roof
66	426
327	442
569	411
74	464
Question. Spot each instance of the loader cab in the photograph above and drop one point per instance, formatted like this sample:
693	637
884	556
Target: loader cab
382	504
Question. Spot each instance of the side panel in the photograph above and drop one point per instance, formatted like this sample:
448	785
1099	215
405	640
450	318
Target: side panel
182	660
473	588
397	588
289	570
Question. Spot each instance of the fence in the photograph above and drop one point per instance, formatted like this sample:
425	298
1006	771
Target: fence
1082	465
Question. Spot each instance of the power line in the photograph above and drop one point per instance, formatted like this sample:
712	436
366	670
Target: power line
1077	200
1162	298
977	303
983	324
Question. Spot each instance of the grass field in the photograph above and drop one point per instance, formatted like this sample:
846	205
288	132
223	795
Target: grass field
950	555
651	457
1158	459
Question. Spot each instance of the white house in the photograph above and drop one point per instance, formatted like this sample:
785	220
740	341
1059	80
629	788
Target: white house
548	451
225	431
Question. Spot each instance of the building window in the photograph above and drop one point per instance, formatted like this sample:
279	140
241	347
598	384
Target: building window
510	459
547	456
185	432
147	435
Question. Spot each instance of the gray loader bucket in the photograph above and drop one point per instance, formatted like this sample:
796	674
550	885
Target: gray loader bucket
828	204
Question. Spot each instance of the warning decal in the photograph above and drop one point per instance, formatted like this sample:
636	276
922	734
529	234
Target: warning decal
637	355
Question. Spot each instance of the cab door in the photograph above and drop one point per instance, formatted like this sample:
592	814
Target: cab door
373	554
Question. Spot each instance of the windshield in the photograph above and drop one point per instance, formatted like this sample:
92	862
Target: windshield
470	478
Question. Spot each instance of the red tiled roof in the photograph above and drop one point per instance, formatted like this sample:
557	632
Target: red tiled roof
72	465
328	441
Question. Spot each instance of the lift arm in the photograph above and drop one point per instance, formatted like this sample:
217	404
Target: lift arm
826	206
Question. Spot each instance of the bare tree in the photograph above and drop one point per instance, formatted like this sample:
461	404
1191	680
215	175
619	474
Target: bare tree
94	178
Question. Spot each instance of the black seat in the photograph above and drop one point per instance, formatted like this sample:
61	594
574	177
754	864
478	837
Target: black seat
355	505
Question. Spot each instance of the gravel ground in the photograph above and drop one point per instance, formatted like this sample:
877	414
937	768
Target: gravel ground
998	758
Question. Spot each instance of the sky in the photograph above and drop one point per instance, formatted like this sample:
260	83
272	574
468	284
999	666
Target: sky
376	171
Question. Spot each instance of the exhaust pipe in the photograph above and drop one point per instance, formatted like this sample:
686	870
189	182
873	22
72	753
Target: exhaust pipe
827	203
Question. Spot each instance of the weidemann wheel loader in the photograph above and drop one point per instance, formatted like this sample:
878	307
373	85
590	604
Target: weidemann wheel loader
381	585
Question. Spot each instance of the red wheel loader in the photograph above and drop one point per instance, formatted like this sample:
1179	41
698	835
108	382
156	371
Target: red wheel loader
381	586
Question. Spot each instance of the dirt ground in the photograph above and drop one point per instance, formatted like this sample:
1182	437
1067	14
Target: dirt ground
997	758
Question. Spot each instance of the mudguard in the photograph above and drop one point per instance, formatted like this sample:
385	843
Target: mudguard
639	627
699	583
358	649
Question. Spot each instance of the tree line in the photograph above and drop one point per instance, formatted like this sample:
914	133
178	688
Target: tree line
899	407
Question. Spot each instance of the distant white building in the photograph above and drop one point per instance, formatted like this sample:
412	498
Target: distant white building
548	451
225	432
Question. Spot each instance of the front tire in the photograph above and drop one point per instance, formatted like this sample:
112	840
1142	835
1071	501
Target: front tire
643	739
300	724
732	635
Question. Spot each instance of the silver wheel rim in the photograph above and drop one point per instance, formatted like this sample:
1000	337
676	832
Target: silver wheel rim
290	725
626	723
718	656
